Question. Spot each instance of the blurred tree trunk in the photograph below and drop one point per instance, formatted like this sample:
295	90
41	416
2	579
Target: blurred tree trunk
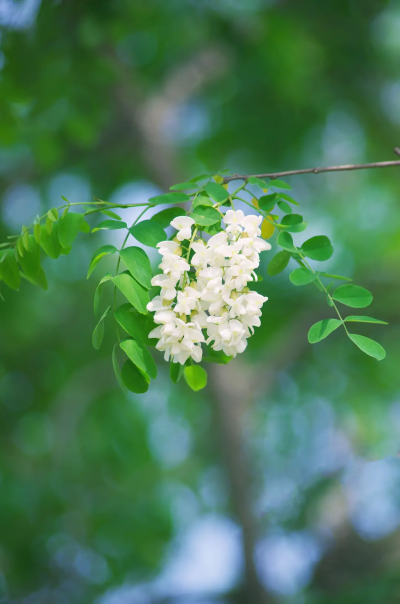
230	389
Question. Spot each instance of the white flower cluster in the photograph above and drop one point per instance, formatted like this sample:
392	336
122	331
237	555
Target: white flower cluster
215	297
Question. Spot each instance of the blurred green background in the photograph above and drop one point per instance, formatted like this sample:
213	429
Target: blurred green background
278	483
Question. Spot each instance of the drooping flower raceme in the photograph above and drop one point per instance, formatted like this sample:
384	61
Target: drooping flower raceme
205	297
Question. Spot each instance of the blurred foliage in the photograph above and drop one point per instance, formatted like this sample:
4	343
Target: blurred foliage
97	491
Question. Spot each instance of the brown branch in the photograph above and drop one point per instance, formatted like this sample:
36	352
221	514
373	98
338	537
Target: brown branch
345	167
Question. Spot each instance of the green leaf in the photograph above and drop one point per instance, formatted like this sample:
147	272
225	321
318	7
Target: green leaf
25	237
9	270
50	242
294	223
213	229
217	356
291	219
285	207
116	368
279	184
20	246
138	264
370	347
135	324
169	198
30	264
98	255
278	263
196	377
148	232
322	329
135	293
285	240
267	202
49	225
254	180
175	372
53	214
353	295
98	293
216	192
140	357
182	186
68	228
287	197
334	276
165	217
85	227
133	379
110	225
200	177
358	319
302	276
202	200
111	214
205	216
98	333
318	248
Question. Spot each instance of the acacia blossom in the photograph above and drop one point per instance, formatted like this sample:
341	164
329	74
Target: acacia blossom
207	300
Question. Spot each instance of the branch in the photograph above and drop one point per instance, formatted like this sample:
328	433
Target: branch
346	167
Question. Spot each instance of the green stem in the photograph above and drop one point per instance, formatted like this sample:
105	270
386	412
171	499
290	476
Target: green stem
242	186
323	287
188	253
115	207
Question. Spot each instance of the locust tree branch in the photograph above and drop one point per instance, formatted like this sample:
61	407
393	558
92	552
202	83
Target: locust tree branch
343	168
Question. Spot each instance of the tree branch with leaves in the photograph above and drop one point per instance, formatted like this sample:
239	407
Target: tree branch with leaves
198	307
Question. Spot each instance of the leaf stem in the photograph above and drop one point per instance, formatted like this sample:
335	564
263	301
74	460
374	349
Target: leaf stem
323	287
188	253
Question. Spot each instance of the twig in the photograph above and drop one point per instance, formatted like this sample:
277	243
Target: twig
345	167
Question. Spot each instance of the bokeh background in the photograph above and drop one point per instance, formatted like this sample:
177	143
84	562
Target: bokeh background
278	483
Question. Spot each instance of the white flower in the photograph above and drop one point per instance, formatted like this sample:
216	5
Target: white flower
158	303
254	244
251	224
169	247
217	242
240	273
167	284
156	333
233	332
187	301
165	316
183	224
254	302
199	318
174	265
251	321
237	307
234	221
201	254
212	272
